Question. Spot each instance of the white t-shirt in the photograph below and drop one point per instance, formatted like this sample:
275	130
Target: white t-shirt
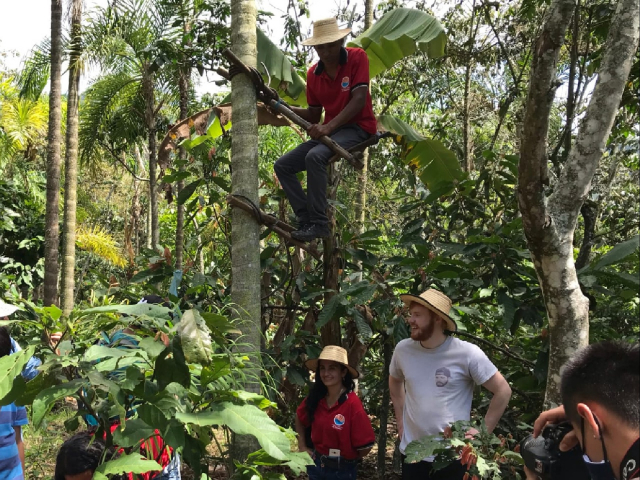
438	384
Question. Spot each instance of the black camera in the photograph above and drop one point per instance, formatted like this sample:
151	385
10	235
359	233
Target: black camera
542	455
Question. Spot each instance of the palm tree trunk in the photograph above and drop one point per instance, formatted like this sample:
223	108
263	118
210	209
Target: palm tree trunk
245	238
52	230
71	163
150	120
183	84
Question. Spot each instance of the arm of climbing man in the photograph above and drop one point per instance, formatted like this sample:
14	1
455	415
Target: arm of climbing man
355	105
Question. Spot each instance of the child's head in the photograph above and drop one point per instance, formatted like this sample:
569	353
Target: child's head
79	457
5	342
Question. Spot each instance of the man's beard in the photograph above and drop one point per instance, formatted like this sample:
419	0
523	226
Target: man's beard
426	334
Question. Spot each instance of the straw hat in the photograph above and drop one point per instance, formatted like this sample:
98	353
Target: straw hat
435	301
326	31
6	309
335	354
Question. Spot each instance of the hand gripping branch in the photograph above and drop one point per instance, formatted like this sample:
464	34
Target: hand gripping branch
268	96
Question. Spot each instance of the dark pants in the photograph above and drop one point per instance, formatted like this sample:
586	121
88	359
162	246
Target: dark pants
324	471
422	471
313	156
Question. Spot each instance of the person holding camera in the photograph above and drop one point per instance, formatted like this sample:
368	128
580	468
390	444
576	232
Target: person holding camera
600	388
431	380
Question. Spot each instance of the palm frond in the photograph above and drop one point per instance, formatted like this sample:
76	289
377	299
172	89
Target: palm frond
35	72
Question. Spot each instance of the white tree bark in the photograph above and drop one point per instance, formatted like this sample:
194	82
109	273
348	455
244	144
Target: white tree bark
549	223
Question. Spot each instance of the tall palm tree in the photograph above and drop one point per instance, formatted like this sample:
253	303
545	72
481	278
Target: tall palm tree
51	235
245	232
71	162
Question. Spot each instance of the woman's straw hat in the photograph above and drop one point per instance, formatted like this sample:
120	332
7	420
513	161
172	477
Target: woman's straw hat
435	301
335	354
326	31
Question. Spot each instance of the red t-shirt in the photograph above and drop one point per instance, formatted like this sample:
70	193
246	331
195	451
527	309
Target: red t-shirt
345	426
334	94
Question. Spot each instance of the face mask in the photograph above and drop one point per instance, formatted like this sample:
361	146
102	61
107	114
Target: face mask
597	470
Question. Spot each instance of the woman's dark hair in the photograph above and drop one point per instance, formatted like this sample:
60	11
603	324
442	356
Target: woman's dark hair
80	453
5	342
318	391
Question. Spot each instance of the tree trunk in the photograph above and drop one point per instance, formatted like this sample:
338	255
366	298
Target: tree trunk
330	332
150	120
385	406
549	224
183	81
71	162
363	175
245	231
52	229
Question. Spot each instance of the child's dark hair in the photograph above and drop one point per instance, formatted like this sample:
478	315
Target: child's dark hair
5	342
80	453
318	391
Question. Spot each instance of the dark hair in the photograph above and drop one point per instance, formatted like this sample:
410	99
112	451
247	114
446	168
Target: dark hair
606	373
80	453
319	391
5	342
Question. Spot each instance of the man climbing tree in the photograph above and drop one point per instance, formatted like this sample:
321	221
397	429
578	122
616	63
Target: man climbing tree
339	84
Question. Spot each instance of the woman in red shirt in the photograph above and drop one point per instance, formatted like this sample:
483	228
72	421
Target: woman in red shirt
341	431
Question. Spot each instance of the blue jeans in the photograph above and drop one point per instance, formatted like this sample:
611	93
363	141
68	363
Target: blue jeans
318	472
171	471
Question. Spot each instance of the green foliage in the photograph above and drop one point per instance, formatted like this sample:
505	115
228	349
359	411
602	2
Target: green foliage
484	454
400	33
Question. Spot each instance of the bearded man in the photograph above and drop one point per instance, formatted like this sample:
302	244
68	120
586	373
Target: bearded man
431	381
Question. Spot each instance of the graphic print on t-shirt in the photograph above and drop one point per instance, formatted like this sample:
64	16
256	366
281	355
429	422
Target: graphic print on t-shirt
338	421
345	83
443	374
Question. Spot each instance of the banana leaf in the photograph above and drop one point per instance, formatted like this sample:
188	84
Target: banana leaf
284	78
399	34
434	163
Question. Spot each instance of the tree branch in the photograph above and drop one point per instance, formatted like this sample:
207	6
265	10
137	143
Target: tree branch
495	347
117	159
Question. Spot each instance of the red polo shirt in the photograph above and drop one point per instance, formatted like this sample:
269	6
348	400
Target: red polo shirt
345	426
334	94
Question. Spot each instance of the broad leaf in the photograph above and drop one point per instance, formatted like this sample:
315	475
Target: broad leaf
331	309
136	310
195	338
244	420
399	34
418	450
434	163
10	368
618	253
47	397
131	463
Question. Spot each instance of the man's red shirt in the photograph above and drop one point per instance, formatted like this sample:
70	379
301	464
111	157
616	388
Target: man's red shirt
345	426
334	94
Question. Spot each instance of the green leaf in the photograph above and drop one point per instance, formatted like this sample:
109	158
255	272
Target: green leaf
244	420
436	165
330	310
131	433
418	450
399	34
10	368
361	324
219	367
618	253
137	310
195	337
508	308
515	456
47	397
283	76
187	191
128	463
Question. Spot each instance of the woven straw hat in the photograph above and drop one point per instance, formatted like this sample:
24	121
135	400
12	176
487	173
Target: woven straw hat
335	354
326	31
6	309
435	301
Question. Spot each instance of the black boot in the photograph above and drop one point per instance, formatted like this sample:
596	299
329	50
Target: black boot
311	232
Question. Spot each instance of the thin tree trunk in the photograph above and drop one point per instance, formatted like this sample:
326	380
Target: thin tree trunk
385	405
52	235
245	231
150	120
550	224
467	139
184	113
71	163
363	175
